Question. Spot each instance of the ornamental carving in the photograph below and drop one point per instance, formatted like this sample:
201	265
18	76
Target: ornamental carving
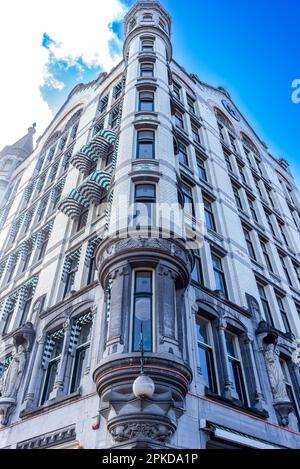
157	432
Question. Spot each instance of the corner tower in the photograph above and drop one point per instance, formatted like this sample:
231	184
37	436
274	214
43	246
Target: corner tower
144	273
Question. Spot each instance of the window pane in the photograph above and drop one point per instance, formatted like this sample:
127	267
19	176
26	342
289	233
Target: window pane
144	191
143	282
202	331
146	150
79	367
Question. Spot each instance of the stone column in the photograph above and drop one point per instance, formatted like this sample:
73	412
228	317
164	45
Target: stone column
228	385
58	388
259	398
30	395
115	338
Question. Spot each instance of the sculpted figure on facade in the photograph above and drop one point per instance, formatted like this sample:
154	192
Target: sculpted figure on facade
276	375
11	378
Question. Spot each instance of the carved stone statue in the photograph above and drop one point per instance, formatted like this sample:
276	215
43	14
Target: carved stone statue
276	375
11	378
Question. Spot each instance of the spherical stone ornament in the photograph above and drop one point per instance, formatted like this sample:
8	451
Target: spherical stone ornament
143	387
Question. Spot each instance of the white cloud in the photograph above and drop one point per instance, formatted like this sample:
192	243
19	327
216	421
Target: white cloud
79	29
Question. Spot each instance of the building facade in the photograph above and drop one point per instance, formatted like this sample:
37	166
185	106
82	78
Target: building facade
89	272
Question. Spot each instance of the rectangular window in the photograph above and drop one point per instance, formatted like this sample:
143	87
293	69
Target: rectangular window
270	223
52	369
145	199
146	102
118	90
183	154
201	168
147	70
237	197
191	104
283	314
221	131
233	142
147	45
265	304
177	91
114	115
252	209
206	354
179	122
197	273
43	246
282	231
290	387
81	355
209	217
103	104
142	310
286	270
26	306
264	247
82	220
196	134
242	174
189	207
145	144
249	244
70	276
219	275
235	366
227	156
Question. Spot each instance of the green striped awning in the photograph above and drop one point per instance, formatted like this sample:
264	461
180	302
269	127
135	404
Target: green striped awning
92	188
94	150
73	204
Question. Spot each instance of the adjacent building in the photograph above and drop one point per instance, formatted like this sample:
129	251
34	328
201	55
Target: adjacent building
90	271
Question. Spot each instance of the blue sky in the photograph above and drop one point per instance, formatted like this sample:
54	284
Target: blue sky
250	48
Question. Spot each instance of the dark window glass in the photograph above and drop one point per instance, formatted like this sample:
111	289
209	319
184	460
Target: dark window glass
147	70
252	209
266	255
237	197
201	169
219	275
82	220
249	245
81	355
177	91
146	102
196	134
265	305
235	368
284	315
209	215
52	370
197	273
145	145
142	310
145	198
191	104
179	122
147	45
70	277
183	155
206	357
189	206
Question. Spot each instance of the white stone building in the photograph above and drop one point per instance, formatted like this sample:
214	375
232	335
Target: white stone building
219	323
